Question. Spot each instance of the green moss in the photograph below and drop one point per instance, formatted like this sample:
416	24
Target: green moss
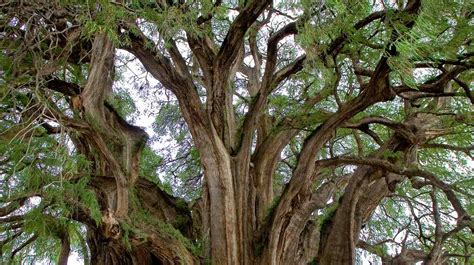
259	249
142	219
272	206
174	233
181	204
325	220
126	230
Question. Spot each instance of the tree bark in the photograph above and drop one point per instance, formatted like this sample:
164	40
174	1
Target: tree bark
144	243
239	219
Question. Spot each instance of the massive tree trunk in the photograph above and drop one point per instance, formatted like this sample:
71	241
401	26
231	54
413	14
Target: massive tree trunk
114	147
238	225
240	217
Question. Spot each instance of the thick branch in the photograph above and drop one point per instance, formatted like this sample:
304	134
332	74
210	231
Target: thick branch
161	68
409	172
400	128
234	38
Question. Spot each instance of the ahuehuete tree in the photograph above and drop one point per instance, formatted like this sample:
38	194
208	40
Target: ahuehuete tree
286	132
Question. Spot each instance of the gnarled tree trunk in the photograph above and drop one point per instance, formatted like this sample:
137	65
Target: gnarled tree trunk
240	217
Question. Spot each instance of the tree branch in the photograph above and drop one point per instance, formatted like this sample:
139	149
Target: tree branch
409	172
232	43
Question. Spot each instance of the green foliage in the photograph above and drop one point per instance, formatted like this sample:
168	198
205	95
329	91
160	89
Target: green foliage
42	167
48	160
123	103
149	164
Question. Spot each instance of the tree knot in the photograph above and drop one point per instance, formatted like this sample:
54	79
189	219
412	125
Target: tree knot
110	225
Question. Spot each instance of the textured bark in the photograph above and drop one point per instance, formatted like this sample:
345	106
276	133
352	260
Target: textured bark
106	251
154	249
238	187
114	148
241	218
111	143
146	244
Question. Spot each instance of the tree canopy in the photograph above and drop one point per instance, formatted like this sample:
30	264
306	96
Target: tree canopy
236	132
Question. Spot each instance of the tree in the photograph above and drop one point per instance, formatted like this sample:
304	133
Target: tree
314	132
